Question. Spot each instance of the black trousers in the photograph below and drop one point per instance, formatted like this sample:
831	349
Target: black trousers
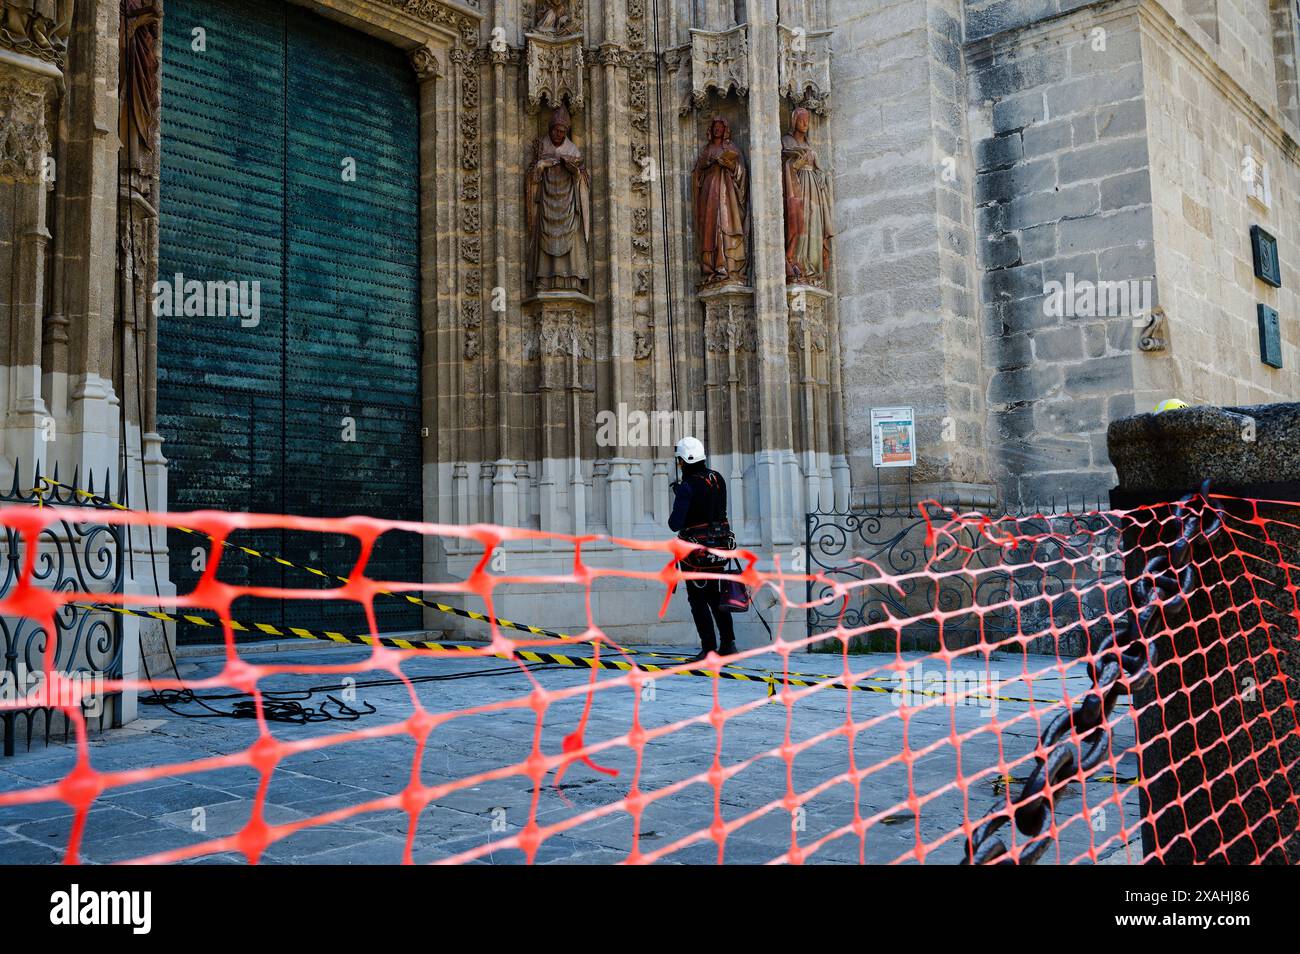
705	598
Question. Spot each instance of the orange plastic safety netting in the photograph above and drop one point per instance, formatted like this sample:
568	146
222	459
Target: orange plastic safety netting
1123	691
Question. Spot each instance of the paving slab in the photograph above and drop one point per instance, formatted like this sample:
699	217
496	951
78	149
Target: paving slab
902	747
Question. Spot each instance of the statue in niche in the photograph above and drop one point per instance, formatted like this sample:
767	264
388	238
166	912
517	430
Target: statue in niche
719	185
807	206
139	63
559	211
554	17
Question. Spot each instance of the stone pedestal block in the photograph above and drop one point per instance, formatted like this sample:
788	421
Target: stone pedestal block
811	350
564	342
731	386
26	86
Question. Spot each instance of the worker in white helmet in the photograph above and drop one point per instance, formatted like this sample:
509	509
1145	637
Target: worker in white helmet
700	516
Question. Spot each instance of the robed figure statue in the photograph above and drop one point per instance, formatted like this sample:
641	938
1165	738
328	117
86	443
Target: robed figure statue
138	87
807	206
559	211
553	17
719	184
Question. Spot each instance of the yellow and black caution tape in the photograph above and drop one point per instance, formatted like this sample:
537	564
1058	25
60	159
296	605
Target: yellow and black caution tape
395	642
767	677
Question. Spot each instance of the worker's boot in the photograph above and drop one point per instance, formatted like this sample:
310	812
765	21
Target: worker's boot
702	655
728	649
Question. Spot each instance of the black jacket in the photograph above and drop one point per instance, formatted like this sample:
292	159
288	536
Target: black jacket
701	499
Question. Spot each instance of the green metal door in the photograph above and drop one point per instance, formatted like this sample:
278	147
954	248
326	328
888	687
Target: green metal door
290	165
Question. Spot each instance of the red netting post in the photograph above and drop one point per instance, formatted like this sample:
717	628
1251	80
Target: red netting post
1219	751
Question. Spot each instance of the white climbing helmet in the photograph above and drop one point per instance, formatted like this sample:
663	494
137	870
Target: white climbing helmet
690	450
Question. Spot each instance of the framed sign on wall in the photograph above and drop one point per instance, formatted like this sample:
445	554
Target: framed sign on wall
893	437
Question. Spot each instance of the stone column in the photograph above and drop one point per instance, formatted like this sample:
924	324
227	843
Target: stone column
768	269
1217	733
505	486
27	86
434	306
89	183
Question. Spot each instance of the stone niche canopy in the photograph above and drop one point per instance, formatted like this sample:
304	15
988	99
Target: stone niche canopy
555	70
804	67
719	61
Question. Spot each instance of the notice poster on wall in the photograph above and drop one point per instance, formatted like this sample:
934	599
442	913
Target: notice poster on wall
893	437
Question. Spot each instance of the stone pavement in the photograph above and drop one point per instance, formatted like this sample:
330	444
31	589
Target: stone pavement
161	814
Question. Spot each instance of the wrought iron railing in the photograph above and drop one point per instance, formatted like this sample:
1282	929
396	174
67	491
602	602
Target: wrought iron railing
1041	589
72	555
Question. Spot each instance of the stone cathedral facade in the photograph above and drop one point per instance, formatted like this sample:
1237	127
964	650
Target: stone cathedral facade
485	260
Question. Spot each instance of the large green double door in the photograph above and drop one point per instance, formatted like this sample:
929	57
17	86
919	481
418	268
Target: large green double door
289	167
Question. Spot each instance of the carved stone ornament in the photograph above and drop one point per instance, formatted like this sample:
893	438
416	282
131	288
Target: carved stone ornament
643	337
133	245
1153	336
561	333
441	14
804	67
37	28
719	61
729	325
555	70
24	138
808	328
636	24
425	63
806	318
471	316
643	343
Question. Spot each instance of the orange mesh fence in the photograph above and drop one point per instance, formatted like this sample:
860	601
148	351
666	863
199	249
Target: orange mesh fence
1170	736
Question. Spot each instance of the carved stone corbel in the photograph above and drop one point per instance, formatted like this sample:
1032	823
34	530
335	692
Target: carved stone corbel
425	62
1153	336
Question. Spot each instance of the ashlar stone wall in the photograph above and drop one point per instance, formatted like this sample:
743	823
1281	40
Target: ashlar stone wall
1063	196
1222	162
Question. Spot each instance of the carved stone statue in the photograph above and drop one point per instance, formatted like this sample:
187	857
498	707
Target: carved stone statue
139	63
808	220
36	27
553	17
720	188
559	211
